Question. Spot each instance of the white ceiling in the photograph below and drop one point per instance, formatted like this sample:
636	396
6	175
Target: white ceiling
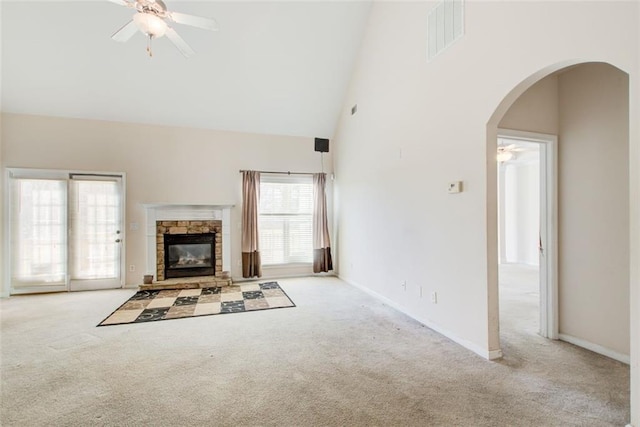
273	68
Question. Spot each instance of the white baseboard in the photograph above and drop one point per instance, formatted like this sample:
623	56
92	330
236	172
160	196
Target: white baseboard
487	354
596	348
281	276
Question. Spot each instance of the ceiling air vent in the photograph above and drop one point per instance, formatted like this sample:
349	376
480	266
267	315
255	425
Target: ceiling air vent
445	25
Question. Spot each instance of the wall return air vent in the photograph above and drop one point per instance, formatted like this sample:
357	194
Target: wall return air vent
445	25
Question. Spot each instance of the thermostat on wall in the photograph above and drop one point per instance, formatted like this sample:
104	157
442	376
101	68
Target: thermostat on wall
455	187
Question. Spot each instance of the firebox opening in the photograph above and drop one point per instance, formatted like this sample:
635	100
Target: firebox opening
189	255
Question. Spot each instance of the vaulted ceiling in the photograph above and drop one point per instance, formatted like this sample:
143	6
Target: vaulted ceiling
273	68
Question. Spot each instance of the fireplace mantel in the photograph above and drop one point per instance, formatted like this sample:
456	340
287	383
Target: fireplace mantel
185	212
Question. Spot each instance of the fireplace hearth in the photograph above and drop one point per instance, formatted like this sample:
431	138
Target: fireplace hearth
187	255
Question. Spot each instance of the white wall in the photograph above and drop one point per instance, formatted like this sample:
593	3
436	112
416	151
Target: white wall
421	125
594	206
521	209
162	165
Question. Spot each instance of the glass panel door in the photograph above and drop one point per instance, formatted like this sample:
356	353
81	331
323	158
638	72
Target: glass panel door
39	235
95	225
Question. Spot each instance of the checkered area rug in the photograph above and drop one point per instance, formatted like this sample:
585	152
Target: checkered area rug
148	306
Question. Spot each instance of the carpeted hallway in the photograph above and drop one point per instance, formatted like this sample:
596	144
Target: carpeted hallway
339	358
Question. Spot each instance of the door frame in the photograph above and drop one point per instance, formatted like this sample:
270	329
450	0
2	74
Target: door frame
98	284
548	253
62	174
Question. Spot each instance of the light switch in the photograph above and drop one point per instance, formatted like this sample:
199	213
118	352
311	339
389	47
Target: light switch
455	187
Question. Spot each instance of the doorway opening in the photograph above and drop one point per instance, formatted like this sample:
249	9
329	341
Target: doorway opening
587	104
526	232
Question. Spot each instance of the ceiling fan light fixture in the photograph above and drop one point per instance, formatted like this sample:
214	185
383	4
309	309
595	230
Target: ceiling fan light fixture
150	24
504	156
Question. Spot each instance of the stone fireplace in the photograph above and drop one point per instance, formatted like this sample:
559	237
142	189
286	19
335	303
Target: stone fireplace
185	242
188	248
188	255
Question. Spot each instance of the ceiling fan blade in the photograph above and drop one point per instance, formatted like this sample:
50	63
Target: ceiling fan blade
123	2
179	42
126	32
194	21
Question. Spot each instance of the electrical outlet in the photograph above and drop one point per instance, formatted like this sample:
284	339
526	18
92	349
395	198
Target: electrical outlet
133	226
420	291
404	285
132	267
434	297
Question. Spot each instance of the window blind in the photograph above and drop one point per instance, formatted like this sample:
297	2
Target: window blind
285	219
39	230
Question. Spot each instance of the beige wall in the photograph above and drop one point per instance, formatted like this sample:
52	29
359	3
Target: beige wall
593	207
3	292
536	110
634	191
162	165
421	125
2	270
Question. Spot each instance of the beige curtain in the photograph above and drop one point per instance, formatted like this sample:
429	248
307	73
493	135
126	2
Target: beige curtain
250	249
321	245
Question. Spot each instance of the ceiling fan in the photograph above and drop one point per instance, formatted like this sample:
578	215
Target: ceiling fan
508	152
152	19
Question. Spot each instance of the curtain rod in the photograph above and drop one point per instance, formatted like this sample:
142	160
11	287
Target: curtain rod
280	173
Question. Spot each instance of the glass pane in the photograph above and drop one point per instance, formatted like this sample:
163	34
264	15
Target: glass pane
286	221
95	219
189	255
39	232
272	241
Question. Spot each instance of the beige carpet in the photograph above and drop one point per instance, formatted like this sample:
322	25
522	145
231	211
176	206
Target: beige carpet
338	358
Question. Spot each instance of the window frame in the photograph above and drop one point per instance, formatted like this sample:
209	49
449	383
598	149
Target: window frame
267	178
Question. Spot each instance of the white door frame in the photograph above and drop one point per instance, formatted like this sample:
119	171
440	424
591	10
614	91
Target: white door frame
548	226
75	284
9	174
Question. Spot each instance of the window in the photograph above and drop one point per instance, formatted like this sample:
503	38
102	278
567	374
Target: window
285	219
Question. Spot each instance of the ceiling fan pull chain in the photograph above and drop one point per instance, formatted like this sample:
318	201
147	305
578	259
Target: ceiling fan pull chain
149	46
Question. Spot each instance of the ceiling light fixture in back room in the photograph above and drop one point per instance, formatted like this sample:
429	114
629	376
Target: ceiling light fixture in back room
151	19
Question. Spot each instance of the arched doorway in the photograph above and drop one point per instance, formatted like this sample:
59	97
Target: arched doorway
593	290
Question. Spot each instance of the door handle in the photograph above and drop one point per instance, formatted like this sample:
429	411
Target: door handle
540	248
118	240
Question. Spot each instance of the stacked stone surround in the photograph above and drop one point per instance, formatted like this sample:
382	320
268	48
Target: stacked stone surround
189	227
